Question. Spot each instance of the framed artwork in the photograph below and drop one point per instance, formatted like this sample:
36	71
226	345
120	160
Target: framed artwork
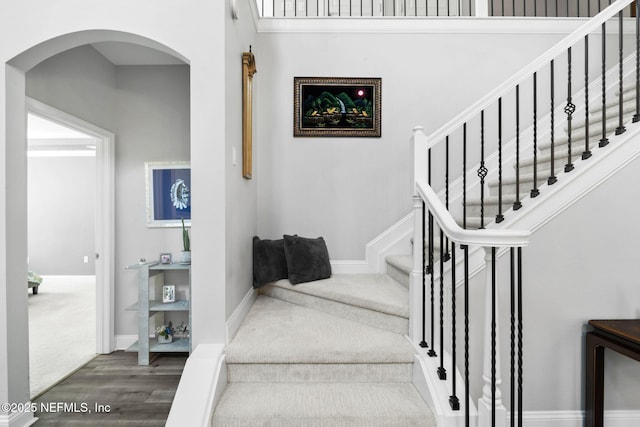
168	293
338	107
165	258
168	188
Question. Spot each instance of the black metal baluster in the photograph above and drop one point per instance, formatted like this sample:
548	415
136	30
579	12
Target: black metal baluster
636	116
578	7
466	336
464	175
454	402
493	337
437	7
512	360
620	129
534	191
520	344
442	372
447	255
569	109
552	178
482	170
425	271
604	140
431	352
587	151
499	216
517	204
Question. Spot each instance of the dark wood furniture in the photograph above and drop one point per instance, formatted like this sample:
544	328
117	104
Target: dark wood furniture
622	336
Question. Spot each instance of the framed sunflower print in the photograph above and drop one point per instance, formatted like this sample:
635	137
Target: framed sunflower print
168	191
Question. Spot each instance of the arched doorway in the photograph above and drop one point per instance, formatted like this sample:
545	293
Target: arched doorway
16	69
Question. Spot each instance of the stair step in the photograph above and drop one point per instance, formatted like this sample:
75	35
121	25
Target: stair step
283	342
399	268
509	185
373	299
322	405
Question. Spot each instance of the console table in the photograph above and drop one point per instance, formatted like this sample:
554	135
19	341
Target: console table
622	336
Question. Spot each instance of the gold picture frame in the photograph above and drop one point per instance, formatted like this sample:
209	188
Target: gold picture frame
248	70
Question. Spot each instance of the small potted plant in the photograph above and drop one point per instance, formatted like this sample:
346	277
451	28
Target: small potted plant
185	257
165	333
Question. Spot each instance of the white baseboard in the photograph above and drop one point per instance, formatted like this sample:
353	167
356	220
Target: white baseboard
576	418
238	315
17	419
123	342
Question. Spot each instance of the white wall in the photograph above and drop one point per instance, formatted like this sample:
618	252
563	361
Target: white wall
351	189
241	194
152	116
583	265
51	28
62	192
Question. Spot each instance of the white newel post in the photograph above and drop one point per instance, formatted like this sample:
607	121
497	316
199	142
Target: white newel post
485	403
419	173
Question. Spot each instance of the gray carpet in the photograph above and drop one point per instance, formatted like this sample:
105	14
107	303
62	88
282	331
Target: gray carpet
275	331
62	327
325	353
322	405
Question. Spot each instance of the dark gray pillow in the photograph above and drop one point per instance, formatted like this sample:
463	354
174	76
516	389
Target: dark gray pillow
307	259
269	261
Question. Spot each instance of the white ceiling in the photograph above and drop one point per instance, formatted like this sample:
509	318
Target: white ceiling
119	53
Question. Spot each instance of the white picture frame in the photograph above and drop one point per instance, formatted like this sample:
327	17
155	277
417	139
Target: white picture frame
168	293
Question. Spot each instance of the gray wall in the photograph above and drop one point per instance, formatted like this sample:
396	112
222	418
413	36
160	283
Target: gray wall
147	107
241	194
350	190
61	197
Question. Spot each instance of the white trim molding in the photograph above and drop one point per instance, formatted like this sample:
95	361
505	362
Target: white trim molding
202	383
104	220
616	418
238	315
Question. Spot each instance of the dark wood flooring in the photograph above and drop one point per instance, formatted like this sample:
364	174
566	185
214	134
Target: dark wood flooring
112	390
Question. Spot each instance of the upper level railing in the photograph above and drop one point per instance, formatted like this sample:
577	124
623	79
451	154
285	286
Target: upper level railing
379	8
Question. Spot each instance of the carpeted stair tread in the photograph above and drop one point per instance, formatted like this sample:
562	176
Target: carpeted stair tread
377	292
320	405
276	331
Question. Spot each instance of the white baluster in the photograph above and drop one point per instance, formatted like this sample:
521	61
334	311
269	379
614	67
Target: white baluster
482	8
415	279
485	403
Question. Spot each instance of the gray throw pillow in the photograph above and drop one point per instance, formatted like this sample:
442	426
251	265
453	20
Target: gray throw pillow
269	261
307	259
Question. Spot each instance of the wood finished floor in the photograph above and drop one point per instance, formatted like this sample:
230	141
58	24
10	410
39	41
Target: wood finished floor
135	395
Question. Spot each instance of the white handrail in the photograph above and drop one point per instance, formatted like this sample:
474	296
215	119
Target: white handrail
526	72
483	237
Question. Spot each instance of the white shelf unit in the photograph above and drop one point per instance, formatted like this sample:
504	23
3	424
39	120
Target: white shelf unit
149	274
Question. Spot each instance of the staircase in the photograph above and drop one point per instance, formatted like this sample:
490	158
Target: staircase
543	158
326	353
